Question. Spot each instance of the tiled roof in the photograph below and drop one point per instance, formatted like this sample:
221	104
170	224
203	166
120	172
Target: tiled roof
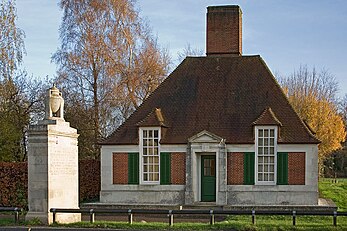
267	118
222	95
154	118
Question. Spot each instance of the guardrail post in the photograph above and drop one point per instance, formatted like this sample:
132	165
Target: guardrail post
253	216
171	218
16	215
294	218
335	218
211	217
130	217
54	216
92	215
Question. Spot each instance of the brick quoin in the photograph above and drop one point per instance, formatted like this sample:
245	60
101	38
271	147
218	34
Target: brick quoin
120	168
178	168
235	168
296	168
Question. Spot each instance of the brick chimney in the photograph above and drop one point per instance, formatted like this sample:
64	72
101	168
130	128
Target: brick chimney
224	31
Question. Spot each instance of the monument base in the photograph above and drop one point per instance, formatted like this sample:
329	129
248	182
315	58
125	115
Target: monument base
47	218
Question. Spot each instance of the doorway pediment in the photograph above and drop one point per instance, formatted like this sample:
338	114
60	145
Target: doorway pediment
205	137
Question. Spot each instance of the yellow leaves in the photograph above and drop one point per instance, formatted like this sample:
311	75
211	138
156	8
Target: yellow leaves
322	116
312	95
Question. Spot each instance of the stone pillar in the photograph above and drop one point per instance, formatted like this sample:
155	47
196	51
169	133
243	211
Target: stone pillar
222	180
189	193
53	164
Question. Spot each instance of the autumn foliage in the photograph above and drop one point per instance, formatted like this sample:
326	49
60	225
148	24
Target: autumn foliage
313	96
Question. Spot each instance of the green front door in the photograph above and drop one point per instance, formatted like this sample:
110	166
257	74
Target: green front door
208	178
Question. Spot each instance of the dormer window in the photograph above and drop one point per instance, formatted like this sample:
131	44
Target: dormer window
150	153
266	150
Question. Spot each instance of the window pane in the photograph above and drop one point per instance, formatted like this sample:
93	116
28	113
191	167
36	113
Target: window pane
212	168
266	133
260	151
266	176
144	134
261	133
260	177
156	176
260	168
272	141
206	163
272	151
271	177
266	142
272	168
260	159
266	150
156	159
144	151
156	133
272	159
145	177
260	142
266	168
272	132
150	133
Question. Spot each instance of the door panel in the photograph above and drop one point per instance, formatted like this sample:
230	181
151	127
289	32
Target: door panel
208	178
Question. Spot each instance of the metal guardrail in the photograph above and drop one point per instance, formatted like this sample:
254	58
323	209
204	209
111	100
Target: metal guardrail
170	213
15	210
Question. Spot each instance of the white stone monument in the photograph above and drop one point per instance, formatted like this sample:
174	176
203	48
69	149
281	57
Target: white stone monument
52	164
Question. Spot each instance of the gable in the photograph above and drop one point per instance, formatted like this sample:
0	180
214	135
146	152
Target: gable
205	137
222	95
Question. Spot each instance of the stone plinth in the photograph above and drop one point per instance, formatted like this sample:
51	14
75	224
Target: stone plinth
52	170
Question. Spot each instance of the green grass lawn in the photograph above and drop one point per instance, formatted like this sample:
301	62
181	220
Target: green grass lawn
335	191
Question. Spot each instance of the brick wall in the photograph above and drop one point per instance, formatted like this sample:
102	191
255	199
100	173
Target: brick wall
296	168
224	30
178	168
235	168
120	168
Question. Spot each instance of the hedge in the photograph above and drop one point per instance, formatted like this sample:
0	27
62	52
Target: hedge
14	182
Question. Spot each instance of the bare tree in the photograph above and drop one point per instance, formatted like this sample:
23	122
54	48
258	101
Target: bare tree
189	51
108	62
314	97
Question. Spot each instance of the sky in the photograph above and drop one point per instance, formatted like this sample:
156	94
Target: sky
286	33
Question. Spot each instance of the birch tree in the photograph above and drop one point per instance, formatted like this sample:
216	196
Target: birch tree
11	40
108	63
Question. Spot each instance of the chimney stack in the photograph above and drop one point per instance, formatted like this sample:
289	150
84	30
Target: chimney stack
224	31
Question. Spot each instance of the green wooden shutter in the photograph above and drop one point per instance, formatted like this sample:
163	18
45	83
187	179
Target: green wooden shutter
133	168
282	168
248	168
165	168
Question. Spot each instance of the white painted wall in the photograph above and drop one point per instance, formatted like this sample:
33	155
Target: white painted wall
236	194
